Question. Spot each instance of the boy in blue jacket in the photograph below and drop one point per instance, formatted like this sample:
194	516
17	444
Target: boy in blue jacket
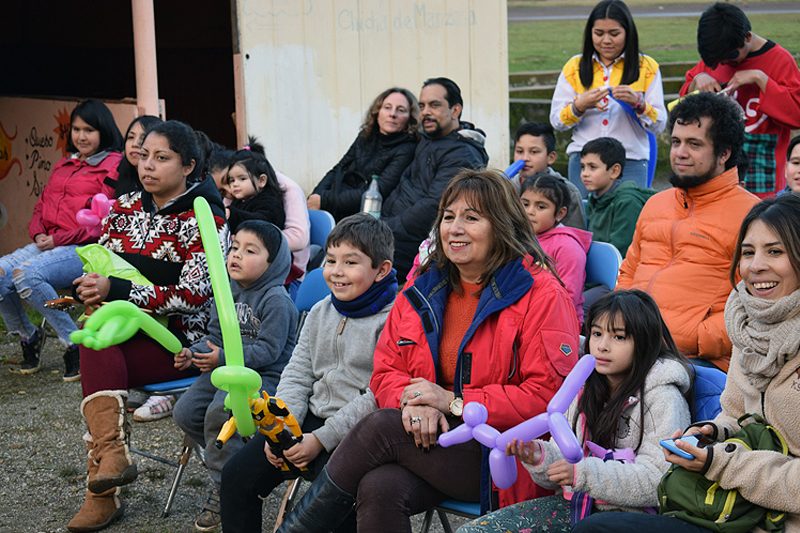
258	263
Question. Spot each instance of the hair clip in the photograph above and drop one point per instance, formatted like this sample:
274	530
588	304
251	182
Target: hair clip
246	147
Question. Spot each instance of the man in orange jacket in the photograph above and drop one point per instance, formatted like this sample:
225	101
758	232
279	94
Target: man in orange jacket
685	236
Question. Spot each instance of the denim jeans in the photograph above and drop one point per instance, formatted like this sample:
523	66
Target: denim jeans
635	170
39	275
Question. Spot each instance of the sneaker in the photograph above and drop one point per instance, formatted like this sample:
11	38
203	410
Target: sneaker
209	518
154	408
31	351
136	399
72	364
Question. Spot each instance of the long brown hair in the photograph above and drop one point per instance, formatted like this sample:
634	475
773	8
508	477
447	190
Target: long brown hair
781	214
493	196
370	125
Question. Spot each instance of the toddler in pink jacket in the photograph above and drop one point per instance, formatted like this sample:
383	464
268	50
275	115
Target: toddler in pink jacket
545	201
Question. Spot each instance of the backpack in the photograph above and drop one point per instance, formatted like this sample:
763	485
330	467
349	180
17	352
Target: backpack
691	497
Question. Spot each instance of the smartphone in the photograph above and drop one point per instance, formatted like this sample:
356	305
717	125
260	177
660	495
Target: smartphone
698	440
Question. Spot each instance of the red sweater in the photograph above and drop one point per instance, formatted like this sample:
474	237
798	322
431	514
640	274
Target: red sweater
70	189
774	112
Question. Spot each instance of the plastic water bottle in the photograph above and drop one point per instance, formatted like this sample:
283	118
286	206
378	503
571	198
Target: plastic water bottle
371	200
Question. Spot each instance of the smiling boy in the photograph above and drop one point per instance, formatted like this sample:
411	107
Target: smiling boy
325	384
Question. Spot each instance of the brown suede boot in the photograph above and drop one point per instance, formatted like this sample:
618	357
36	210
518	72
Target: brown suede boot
104	412
98	510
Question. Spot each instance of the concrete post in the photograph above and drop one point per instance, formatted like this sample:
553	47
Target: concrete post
144	46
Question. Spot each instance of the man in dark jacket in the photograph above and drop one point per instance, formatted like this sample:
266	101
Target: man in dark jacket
447	145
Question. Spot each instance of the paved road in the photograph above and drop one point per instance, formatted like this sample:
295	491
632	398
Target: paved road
524	14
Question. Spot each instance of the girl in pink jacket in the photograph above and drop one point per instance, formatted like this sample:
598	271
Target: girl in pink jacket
34	272
545	200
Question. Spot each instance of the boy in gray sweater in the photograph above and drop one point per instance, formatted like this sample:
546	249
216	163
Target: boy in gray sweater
325	383
258	263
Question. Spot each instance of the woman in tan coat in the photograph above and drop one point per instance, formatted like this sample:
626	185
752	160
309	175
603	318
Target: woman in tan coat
762	317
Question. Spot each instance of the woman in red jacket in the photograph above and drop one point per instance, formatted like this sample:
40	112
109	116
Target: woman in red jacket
485	320
34	272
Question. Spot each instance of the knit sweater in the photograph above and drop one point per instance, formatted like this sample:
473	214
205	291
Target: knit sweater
165	246
763	477
629	486
330	369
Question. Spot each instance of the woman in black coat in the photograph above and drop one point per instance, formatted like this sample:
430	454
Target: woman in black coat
384	147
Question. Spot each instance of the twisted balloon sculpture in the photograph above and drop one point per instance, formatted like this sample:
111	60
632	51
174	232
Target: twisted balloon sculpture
241	383
503	467
118	321
92	218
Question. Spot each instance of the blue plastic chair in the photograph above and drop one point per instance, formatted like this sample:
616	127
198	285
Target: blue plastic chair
708	386
311	290
456	507
172	388
602	264
321	223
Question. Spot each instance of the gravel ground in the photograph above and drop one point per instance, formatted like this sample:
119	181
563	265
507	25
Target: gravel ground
43	462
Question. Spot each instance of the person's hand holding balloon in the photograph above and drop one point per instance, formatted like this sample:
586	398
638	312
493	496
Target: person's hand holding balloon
183	359
527	451
241	383
561	472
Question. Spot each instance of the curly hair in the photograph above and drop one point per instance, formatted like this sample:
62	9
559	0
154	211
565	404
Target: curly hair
370	125
726	128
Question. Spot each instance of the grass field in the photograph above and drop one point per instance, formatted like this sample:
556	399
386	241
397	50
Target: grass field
547	45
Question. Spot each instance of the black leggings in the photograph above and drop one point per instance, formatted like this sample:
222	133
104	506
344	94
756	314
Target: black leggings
248	477
392	479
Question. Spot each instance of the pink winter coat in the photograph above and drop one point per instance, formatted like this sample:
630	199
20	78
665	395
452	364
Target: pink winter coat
70	188
568	248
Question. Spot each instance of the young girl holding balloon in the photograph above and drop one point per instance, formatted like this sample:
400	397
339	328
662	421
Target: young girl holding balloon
635	397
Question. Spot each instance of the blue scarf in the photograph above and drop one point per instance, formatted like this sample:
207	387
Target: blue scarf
372	301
